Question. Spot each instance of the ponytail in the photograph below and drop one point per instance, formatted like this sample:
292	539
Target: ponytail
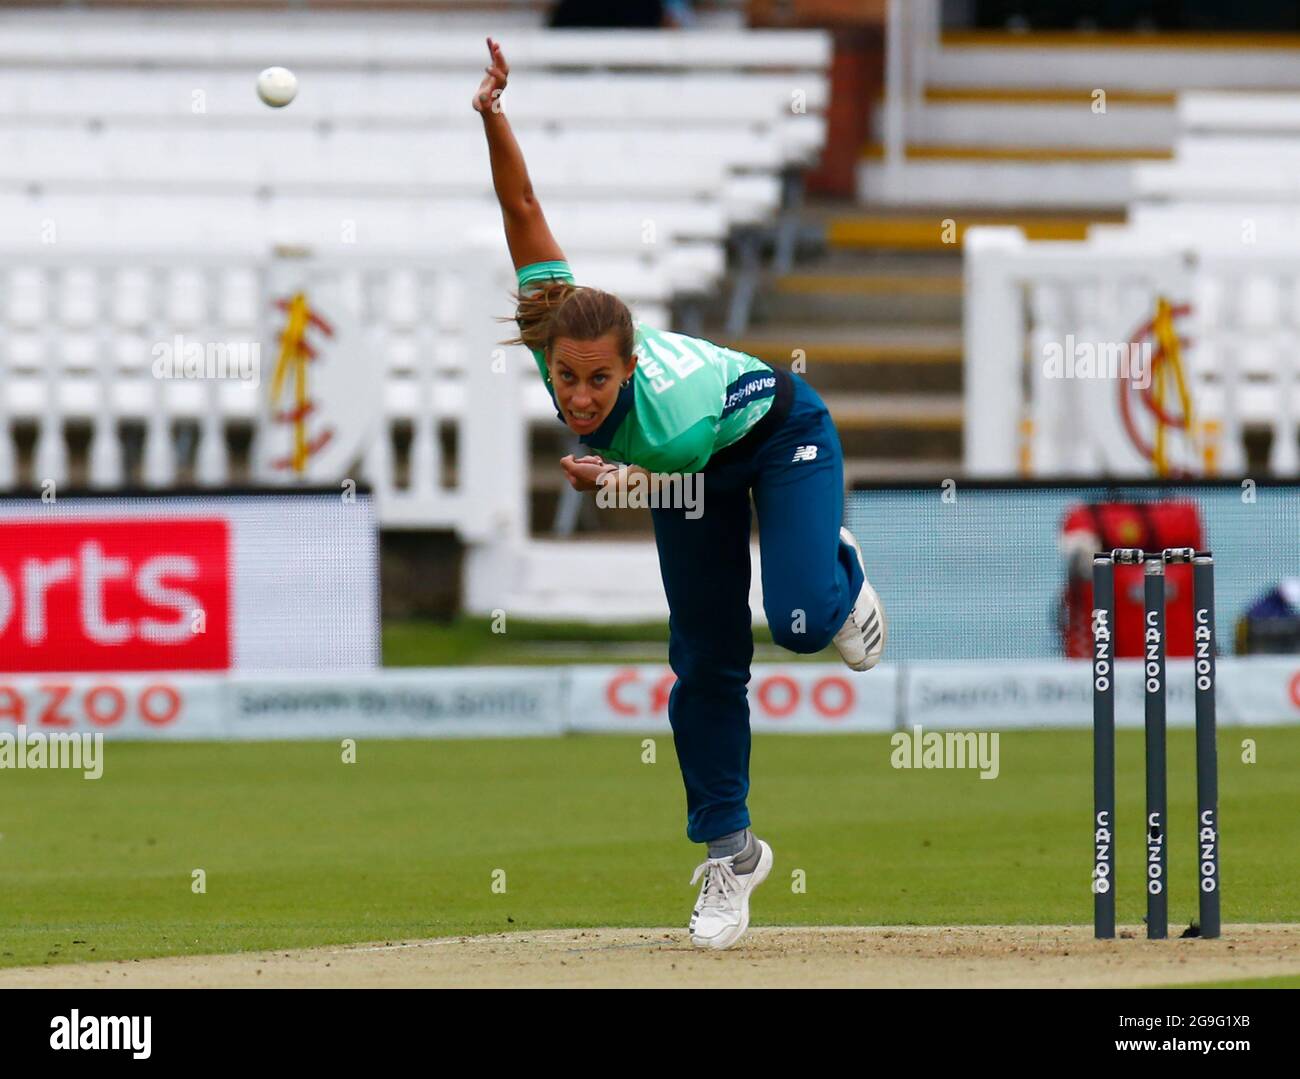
563	309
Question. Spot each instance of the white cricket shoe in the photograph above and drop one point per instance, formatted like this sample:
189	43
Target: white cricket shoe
861	640
721	913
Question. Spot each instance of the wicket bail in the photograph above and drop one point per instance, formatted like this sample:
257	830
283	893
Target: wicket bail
1154	698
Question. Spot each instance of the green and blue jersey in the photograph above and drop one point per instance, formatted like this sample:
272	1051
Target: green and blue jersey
688	397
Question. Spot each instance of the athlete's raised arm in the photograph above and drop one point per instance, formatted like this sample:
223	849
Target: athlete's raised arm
527	234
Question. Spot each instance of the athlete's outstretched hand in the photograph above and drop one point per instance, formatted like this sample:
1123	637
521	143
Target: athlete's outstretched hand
494	82
582	473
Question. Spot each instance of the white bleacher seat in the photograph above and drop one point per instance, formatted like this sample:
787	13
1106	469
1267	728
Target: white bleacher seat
393	41
1232	147
201	95
1221	151
1202	111
247	223
306	166
1263	183
142	221
156	117
1215	224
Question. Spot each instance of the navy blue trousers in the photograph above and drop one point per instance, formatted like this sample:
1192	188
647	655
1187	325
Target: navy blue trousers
810	580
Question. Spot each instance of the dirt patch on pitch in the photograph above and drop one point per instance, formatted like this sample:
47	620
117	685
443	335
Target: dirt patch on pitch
843	956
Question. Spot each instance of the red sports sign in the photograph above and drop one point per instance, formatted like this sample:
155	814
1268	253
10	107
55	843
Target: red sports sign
128	594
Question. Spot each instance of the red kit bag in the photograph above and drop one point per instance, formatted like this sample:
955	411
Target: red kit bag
1153	526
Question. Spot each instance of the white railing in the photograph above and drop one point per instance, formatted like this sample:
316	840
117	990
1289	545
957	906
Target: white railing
80	334
911	34
1241	352
1217	230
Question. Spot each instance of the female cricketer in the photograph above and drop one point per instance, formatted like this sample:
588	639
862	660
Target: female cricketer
655	402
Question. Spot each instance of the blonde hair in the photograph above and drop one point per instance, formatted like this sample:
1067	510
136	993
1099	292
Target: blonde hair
563	309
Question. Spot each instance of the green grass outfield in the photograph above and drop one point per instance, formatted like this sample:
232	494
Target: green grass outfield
1282	981
469	641
301	849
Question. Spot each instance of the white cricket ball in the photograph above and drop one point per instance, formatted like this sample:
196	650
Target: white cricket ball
277	86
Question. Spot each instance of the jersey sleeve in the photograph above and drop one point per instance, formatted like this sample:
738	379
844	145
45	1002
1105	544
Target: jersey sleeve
537	273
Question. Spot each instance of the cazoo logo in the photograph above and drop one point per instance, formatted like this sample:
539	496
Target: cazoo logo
635	693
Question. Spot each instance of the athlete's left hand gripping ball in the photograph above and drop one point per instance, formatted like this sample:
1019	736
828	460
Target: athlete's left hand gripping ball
277	86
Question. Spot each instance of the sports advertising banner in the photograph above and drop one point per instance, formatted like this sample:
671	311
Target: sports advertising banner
472	702
800	697
189	583
466	702
428	703
132	706
1255	690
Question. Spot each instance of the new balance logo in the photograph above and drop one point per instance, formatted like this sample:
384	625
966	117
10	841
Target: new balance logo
804	453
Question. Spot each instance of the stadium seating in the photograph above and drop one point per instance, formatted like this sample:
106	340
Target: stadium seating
143	189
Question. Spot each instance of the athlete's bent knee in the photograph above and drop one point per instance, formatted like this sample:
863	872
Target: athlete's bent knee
801	634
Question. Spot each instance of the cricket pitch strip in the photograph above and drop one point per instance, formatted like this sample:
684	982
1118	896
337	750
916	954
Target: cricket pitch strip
769	957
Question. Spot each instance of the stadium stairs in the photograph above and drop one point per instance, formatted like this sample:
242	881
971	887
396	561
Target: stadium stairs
876	311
